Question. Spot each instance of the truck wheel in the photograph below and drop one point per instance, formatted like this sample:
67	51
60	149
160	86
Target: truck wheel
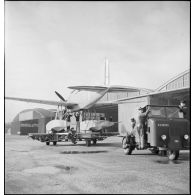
128	151
124	145
173	154
47	143
88	143
54	143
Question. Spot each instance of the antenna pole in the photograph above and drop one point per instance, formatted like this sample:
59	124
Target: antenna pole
107	73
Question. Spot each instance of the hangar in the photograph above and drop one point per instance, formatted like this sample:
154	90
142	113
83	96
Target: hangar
129	108
181	85
35	120
31	121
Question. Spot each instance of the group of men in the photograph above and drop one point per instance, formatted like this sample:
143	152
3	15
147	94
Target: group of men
67	116
140	125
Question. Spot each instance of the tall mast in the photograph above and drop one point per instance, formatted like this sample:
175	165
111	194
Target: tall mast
107	73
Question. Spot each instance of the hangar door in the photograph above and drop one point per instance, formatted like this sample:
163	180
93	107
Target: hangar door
127	110
29	126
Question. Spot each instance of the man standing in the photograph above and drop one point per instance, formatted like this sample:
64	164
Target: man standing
141	126
182	109
77	116
68	120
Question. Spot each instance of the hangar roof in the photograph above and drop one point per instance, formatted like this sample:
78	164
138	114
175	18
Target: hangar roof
36	113
178	81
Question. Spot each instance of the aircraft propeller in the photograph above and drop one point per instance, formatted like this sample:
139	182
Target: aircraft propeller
60	96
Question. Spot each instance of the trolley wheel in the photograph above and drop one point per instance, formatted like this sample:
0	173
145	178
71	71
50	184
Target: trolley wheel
154	150
94	141
88	142
47	143
54	143
163	153
173	154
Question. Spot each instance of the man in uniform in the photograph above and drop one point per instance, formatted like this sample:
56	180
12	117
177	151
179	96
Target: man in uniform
141	126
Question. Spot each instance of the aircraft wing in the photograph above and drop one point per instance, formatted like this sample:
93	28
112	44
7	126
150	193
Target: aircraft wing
48	102
112	88
110	104
88	88
104	104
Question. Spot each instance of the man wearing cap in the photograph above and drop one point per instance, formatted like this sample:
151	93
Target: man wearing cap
141	126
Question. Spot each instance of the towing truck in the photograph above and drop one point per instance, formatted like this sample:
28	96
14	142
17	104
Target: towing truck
165	132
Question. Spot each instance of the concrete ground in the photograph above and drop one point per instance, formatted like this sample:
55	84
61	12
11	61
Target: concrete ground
31	167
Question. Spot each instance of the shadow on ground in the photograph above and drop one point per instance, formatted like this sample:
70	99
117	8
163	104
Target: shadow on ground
113	144
82	152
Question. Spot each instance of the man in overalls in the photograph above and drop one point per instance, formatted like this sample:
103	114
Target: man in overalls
77	116
141	126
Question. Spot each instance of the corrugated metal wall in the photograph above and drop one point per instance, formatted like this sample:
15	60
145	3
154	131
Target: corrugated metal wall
15	127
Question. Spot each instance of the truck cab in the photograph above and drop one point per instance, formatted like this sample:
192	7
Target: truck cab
165	131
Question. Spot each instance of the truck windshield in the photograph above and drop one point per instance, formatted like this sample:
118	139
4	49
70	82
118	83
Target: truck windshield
157	112
172	112
164	112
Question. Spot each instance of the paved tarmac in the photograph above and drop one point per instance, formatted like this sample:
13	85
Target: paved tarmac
31	167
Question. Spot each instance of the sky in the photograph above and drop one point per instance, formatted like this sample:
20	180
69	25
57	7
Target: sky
51	45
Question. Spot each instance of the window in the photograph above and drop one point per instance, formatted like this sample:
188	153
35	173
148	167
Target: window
157	112
172	112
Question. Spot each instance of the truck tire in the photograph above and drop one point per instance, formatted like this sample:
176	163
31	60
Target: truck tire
47	143
54	143
88	143
173	154
124	145
128	151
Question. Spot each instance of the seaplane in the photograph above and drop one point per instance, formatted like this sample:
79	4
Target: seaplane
81	99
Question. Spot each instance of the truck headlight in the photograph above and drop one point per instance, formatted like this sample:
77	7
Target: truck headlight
186	136
164	137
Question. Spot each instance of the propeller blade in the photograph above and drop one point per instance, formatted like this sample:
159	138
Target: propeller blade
61	97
